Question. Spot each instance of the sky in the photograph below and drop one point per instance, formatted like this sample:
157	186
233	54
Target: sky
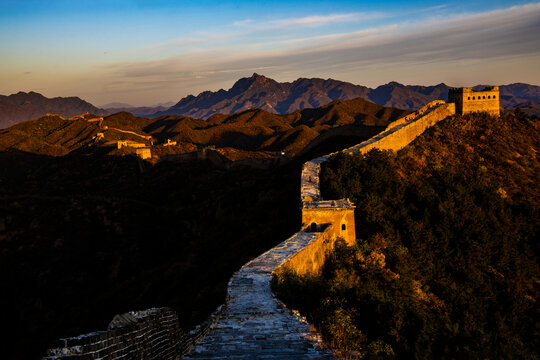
149	52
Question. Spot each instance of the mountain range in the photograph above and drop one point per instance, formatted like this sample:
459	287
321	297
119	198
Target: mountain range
89	235
258	91
113	108
264	93
253	130
24	106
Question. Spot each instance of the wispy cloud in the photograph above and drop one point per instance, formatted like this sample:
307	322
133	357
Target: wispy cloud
245	30
306	21
457	39
196	40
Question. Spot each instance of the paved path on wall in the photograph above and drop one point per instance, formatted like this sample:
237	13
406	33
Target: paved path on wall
255	324
309	183
376	138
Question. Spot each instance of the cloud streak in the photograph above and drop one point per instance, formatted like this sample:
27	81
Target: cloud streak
460	39
495	33
306	21
242	31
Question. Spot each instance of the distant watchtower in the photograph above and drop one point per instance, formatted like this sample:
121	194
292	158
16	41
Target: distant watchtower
468	100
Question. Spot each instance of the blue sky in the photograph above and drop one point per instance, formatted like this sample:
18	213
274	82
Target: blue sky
145	52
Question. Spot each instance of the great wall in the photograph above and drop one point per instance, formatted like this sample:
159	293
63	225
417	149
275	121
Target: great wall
253	323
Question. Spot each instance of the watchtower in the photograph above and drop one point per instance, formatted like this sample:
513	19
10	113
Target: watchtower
468	100
339	214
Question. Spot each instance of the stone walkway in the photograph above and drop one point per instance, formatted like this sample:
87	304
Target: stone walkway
369	144
309	183
255	324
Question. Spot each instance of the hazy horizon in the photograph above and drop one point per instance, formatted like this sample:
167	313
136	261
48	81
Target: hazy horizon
149	52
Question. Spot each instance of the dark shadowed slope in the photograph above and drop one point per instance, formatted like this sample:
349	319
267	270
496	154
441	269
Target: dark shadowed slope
115	107
86	235
49	135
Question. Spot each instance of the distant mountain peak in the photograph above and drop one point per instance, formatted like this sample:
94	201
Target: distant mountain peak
30	94
30	105
255	75
259	79
395	84
254	82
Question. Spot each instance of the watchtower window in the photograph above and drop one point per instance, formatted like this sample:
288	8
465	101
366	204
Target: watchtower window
473	97
469	98
489	96
494	96
483	97
343	227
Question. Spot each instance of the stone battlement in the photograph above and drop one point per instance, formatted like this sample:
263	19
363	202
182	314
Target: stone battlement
328	204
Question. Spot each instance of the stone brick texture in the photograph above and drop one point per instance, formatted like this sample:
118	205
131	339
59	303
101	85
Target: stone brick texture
153	335
468	100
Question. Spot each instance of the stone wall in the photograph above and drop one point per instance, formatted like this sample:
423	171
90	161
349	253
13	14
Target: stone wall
311	258
338	215
397	137
253	323
342	131
149	334
415	115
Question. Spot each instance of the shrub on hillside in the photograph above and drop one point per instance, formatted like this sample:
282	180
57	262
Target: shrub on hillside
445	260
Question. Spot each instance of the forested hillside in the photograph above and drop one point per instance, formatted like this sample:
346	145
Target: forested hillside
84	237
445	264
85	234
251	130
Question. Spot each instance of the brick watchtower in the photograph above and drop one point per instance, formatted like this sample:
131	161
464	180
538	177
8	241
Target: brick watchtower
468	100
